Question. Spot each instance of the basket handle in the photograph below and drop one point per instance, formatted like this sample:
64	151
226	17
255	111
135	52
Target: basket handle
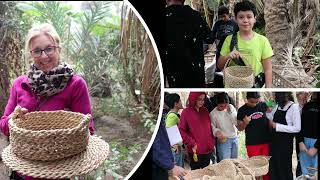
244	166
224	68
227	64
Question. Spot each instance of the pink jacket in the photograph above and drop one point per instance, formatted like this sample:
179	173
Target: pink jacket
74	97
195	127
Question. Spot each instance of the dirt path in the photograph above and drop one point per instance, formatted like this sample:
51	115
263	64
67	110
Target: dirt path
127	133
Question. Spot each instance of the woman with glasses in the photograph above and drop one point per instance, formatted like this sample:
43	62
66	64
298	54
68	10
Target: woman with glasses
195	129
49	85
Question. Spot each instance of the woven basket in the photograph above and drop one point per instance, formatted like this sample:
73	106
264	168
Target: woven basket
259	164
238	76
225	168
49	135
198	174
206	177
232	169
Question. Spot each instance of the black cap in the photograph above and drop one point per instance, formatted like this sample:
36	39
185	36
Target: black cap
253	95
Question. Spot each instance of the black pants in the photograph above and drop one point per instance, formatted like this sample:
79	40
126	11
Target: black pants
281	150
159	174
203	161
298	170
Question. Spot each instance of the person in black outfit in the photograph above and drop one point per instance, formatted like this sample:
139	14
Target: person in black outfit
286	122
309	134
221	29
185	32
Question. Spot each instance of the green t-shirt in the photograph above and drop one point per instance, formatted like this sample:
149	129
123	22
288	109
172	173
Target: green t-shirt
172	119
253	51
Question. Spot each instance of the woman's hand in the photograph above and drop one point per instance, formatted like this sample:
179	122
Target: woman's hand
18	112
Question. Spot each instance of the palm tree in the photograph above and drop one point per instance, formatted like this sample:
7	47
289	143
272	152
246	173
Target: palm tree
285	30
10	56
136	46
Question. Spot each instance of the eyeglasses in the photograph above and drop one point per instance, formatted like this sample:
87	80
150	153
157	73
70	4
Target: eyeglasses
48	50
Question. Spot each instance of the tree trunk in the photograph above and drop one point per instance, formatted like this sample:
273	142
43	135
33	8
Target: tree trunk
10	56
277	28
282	30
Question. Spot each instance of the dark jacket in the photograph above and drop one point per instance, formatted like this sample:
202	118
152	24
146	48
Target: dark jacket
309	121
161	150
185	33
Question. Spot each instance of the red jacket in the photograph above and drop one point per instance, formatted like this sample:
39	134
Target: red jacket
195	127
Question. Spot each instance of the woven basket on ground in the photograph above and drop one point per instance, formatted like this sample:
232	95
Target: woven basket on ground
206	177
226	169
198	174
238	76
49	135
259	164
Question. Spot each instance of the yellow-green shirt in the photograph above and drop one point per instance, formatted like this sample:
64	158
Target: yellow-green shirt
252	51
172	119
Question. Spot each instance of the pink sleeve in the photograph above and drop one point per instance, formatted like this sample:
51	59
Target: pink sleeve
184	131
12	103
81	101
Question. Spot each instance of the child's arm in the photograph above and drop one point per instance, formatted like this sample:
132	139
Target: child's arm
267	68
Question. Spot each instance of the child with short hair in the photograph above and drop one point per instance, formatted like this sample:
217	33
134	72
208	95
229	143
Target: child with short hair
172	119
223	123
253	48
221	29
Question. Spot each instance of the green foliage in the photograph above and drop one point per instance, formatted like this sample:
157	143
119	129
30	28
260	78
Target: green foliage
149	120
120	153
48	11
259	30
115	105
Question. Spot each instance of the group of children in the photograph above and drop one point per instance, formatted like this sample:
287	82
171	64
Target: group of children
269	129
186	32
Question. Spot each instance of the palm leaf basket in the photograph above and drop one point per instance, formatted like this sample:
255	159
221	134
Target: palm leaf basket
232	169
49	135
238	76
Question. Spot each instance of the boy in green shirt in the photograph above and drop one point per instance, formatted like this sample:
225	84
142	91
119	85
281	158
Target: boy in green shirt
254	49
173	118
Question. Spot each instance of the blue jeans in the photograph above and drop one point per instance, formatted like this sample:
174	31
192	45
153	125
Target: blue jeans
178	158
229	149
305	159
